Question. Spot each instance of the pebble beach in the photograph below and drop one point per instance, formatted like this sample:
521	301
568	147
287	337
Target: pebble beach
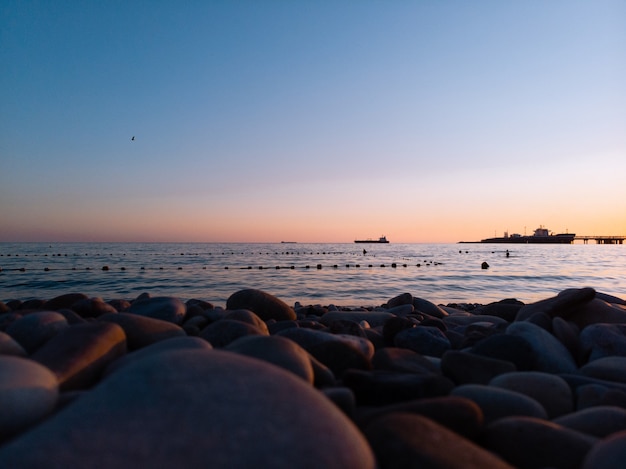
155	381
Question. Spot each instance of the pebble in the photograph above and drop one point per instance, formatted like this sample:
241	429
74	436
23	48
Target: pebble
403	440
551	391
265	305
549	354
426	340
529	442
77	355
497	403
259	383
142	330
165	308
33	330
195	408
28	392
467	368
609	453
600	421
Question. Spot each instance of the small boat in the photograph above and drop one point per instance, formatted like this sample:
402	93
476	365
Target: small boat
540	236
381	240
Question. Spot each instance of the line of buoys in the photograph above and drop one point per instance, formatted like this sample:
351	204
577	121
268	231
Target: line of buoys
106	268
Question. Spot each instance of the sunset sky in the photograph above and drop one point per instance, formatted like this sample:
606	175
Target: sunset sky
311	121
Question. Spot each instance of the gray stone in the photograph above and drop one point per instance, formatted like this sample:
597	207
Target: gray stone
33	330
609	453
235	412
245	315
278	351
604	340
223	332
9	346
551	391
425	340
550	355
28	392
608	368
263	304
599	421
528	442
403	440
497	403
467	368
163	346
563	305
427	307
79	354
374	318
165	308
142	331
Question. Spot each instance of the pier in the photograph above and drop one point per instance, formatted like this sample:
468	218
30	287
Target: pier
602	239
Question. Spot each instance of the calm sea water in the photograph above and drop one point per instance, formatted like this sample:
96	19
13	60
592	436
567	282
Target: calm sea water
442	273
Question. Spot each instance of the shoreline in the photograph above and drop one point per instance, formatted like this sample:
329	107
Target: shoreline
92	382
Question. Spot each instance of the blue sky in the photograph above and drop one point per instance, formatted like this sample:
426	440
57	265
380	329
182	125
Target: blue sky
314	121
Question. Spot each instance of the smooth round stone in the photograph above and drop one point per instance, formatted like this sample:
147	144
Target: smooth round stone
551	391
464	320
550	355
165	308
374	318
221	333
427	307
528	442
497	403
142	331
28	392
561	305
505	309
235	411
34	329
383	387
278	351
92	307
609	453
591	395
78	354
401	310
468	368
604	340
64	301
9	346
608	368
598	421
514	349
338	352
458	414
164	346
263	304
402	360
425	340
245	315
399	300
597	311
568	334
403	440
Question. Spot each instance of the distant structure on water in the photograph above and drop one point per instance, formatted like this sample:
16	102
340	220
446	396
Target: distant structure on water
381	240
540	236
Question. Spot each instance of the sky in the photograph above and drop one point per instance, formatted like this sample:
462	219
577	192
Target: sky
311	121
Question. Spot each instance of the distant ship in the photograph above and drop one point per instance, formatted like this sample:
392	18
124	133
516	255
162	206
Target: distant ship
381	240
541	236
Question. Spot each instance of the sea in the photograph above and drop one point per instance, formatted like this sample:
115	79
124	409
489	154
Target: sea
349	275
